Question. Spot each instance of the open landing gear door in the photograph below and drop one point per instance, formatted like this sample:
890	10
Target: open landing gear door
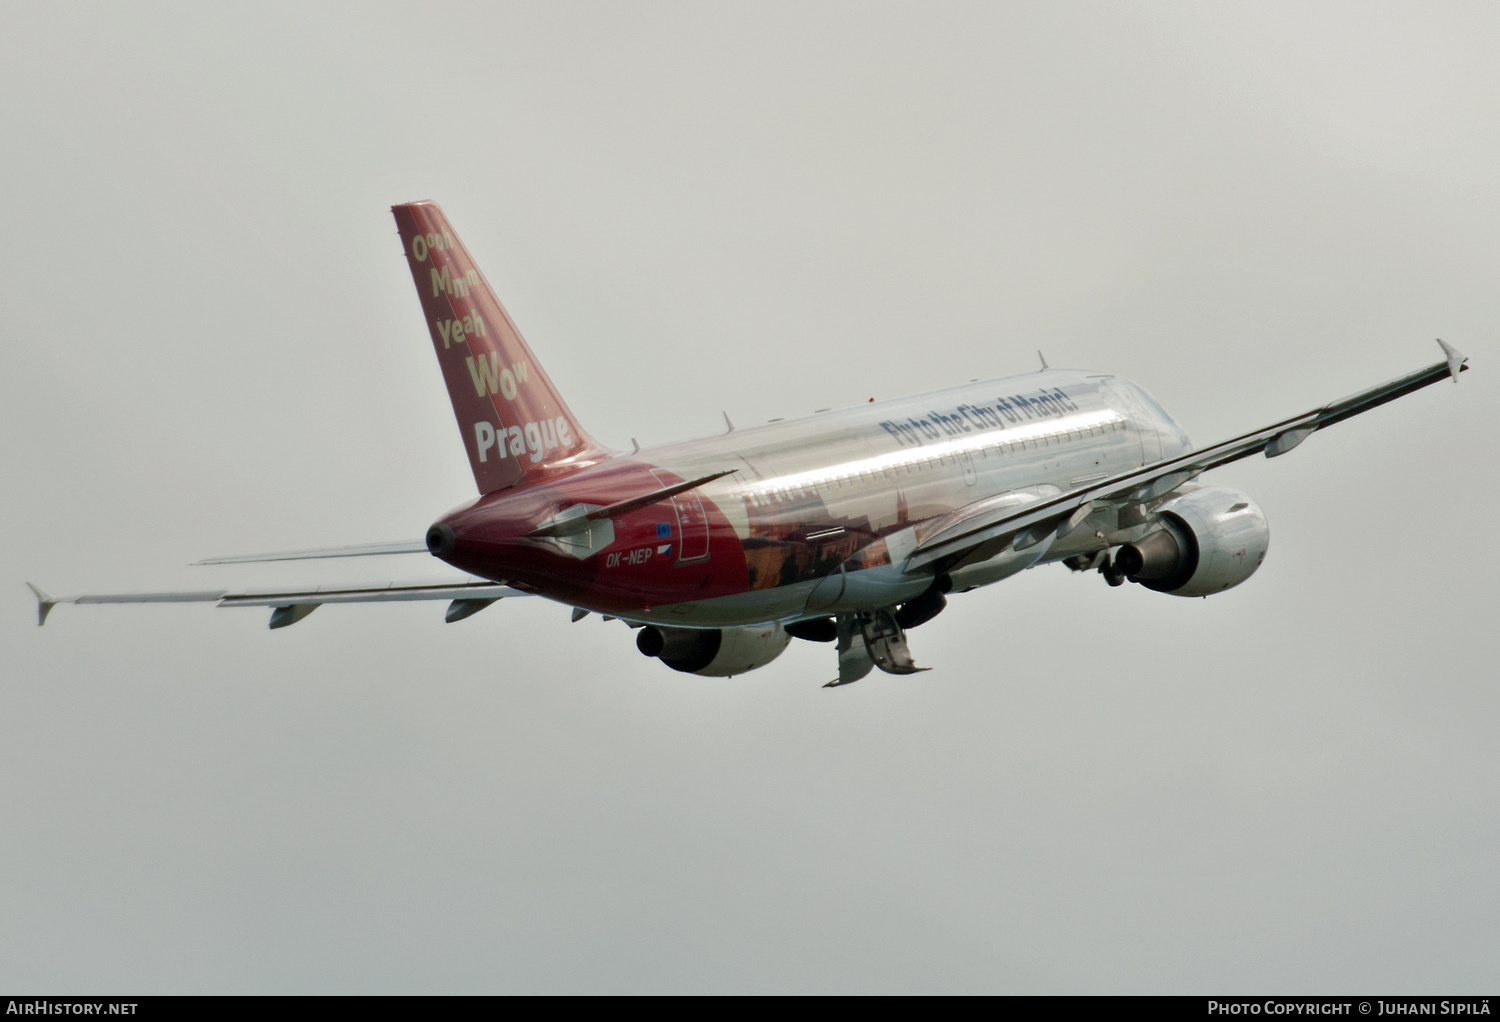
870	639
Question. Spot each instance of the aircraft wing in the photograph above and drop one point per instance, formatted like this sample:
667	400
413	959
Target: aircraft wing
998	518
469	595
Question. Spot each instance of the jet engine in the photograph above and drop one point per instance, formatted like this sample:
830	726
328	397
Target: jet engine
1211	539
714	652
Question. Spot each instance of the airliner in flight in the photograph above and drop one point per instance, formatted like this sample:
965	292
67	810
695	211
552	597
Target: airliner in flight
848	527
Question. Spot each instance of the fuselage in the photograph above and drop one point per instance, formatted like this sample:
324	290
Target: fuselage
821	510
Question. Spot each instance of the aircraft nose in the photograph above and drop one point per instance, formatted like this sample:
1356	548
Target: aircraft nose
440	539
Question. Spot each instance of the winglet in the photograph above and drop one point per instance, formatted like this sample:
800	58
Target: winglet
1456	358
1045	366
44	604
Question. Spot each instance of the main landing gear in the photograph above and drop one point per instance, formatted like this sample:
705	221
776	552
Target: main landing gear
868	639
1101	562
872	638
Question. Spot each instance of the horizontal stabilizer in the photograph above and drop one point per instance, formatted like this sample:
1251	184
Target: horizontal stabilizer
565	522
325	553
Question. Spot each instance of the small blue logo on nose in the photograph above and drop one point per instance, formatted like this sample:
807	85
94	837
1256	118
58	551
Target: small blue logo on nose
663	530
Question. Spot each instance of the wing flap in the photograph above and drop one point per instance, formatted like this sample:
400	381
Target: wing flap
464	589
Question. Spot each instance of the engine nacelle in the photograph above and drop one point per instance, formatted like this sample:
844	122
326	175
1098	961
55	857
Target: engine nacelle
1210	540
714	652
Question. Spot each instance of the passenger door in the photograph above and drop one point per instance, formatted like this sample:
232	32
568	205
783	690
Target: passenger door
690	539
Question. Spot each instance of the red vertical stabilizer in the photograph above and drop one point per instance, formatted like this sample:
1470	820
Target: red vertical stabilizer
516	427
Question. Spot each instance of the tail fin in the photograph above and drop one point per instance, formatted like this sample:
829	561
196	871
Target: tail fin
516	427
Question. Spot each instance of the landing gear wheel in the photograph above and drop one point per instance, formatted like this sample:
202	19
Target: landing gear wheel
1111	575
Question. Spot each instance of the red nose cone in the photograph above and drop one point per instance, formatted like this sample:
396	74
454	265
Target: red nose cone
440	540
488	538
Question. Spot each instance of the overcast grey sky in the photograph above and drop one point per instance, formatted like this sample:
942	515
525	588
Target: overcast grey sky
211	346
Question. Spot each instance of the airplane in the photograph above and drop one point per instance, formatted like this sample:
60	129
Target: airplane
847	527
